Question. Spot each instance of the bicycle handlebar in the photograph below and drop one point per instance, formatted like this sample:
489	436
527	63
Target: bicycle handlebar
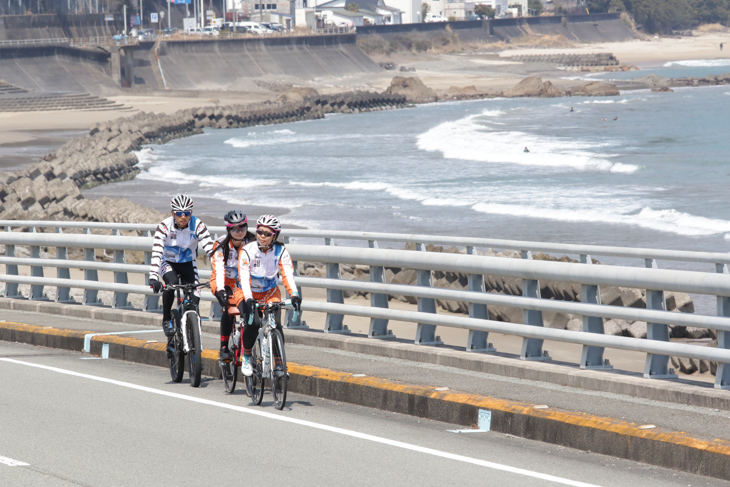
286	304
185	286
275	305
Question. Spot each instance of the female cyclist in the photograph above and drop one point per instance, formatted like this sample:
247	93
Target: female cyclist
260	263
224	279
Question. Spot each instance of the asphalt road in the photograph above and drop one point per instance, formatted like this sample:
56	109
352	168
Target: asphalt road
71	419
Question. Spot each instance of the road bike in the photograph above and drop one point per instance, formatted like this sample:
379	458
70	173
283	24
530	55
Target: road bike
186	340
269	358
229	368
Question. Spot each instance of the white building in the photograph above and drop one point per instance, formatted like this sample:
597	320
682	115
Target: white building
318	14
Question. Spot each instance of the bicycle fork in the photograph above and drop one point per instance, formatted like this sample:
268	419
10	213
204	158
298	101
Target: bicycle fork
184	329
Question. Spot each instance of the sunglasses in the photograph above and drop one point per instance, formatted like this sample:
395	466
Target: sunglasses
264	233
240	228
183	213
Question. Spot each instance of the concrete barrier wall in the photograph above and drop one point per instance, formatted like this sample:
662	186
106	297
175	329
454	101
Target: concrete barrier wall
579	28
14	27
188	64
56	68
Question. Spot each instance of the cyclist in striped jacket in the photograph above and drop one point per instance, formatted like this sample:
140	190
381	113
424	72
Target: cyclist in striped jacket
174	251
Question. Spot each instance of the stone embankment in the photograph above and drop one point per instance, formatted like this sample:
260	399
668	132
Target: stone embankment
534	87
572	60
51	188
661	84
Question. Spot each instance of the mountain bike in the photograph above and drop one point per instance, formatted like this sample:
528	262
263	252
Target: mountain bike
186	340
269	358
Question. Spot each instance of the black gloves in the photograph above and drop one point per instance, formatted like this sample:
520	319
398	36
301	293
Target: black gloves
155	285
251	306
296	301
222	297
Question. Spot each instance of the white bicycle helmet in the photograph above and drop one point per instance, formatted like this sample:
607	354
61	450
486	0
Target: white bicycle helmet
269	221
181	203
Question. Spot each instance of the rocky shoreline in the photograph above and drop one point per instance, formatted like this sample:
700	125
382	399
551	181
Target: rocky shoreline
51	188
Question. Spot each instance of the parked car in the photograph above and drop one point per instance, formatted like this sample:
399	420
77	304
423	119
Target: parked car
435	18
274	26
170	31
241	29
210	31
256	28
146	34
194	31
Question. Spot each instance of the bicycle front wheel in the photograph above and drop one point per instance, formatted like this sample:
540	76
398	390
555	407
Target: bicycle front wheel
229	370
195	361
177	356
279	376
255	383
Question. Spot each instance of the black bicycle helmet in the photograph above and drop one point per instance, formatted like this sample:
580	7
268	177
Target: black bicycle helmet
235	218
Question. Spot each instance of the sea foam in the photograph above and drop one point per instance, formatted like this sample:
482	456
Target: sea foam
472	139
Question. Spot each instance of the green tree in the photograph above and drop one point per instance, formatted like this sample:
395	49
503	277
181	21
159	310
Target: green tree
712	11
484	11
352	7
425	9
534	7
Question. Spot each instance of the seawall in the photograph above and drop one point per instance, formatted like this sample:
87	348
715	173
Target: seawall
576	28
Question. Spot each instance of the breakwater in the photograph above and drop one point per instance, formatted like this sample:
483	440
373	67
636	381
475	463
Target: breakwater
51	188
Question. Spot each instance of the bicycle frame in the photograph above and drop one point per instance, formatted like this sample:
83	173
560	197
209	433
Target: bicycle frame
185	306
268	324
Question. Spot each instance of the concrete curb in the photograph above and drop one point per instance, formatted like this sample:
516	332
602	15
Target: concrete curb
582	431
618	382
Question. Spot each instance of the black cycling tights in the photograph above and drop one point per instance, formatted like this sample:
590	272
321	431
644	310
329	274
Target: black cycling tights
251	331
187	274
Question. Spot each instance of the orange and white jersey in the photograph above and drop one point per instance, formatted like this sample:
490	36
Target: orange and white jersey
225	271
258	270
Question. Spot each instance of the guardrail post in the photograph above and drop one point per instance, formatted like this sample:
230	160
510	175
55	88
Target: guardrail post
426	334
591	356
11	288
36	290
378	326
722	375
656	366
333	322
151	301
532	347
90	295
477	340
63	294
120	299
289	321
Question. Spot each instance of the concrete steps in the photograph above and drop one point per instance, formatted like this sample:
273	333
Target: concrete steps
24	101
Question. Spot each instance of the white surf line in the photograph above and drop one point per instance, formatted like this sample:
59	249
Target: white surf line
13	463
310	424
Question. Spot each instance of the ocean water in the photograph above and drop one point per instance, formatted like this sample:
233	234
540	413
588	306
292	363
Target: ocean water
641	169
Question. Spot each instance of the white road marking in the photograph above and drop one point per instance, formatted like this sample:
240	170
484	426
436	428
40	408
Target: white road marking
310	424
89	336
13	463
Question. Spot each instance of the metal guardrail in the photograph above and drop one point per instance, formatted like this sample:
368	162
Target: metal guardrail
657	346
78	42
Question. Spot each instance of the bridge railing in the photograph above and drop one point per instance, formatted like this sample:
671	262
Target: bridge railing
657	346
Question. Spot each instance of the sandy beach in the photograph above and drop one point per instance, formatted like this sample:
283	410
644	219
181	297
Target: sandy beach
487	70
